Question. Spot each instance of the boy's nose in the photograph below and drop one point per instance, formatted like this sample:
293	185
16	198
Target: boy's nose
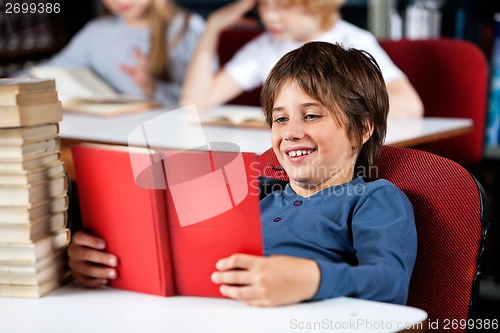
294	130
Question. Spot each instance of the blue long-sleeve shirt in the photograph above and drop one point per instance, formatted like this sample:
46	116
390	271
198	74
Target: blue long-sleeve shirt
361	234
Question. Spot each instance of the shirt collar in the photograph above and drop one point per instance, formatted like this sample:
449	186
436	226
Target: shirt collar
290	195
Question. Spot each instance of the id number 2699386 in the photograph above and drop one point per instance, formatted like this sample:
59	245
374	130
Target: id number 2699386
32	8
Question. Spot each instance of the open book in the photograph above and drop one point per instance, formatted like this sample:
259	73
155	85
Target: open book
80	90
234	116
169	215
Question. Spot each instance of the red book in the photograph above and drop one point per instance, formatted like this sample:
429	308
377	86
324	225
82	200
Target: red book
169	215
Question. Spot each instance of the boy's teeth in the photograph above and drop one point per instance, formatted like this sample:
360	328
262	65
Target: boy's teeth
294	153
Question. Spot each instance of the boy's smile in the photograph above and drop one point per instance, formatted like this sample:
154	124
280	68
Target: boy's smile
309	142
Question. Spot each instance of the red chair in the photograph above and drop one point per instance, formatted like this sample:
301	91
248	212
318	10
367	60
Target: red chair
451	77
232	40
451	218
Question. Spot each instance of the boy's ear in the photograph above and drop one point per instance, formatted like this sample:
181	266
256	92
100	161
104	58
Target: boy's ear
368	131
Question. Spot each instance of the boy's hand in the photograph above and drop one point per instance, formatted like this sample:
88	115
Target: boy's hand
90	265
140	74
229	14
267	281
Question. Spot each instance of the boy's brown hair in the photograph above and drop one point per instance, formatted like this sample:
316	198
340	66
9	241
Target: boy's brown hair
326	10
347	82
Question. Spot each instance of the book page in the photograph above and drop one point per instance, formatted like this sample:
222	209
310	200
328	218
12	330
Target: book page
234	115
80	90
75	83
109	108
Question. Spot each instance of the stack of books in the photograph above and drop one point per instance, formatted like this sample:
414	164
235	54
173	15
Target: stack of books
33	190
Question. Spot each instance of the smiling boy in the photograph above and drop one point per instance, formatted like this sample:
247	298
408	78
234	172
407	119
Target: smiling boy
329	233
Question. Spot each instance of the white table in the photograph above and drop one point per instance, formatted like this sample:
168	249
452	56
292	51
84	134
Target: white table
71	309
181	130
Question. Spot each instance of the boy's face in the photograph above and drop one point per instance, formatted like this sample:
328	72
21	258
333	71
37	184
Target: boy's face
309	143
134	12
286	21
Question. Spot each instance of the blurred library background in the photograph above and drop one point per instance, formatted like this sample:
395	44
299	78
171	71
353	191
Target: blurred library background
26	39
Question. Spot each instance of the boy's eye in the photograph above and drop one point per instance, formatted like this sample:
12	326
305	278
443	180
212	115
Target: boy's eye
280	119
311	116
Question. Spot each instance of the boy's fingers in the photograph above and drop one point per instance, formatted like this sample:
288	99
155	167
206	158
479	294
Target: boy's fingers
88	282
84	239
244	261
85	254
232	277
245	294
91	271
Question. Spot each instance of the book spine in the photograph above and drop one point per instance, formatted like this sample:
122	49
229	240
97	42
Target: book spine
460	18
377	18
414	22
493	122
423	19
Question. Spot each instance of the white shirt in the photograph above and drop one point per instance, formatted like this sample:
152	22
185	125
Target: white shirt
251	65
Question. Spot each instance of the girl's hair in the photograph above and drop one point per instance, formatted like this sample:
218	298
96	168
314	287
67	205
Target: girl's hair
327	10
161	14
347	82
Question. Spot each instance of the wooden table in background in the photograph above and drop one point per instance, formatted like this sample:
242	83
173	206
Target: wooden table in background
178	130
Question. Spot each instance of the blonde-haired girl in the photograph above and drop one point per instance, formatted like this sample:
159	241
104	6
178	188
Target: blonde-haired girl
141	47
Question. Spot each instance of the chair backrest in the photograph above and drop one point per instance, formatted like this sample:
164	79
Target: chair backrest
451	217
451	77
231	40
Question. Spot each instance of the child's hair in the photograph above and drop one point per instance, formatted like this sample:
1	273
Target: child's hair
326	10
347	82
161	13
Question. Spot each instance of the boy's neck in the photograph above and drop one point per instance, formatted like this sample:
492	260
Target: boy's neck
307	191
